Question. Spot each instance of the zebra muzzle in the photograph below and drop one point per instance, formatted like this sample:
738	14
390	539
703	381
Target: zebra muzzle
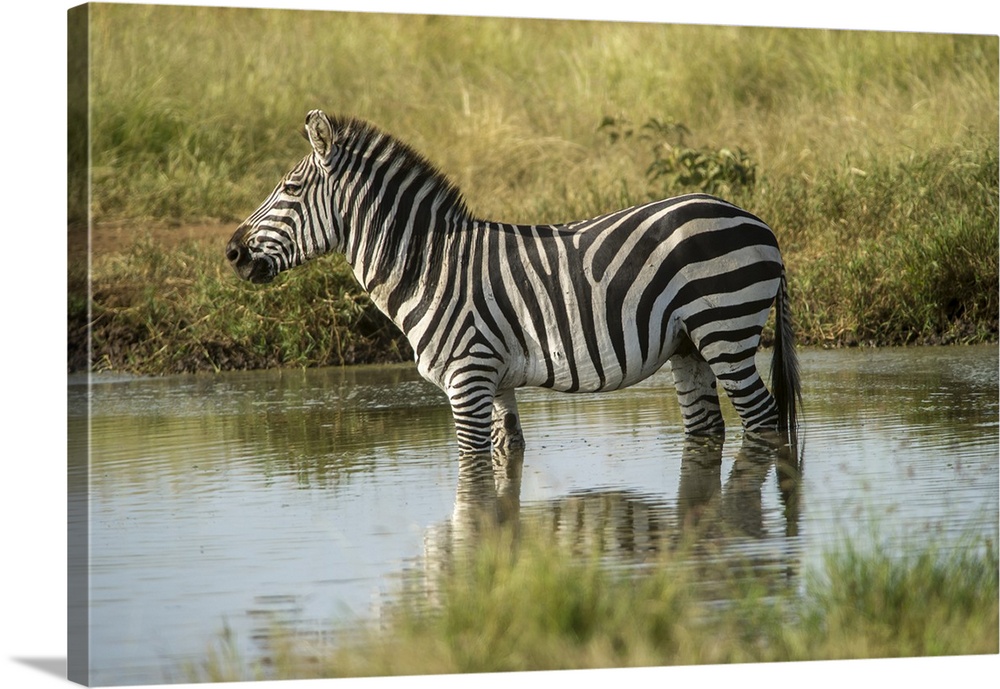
256	270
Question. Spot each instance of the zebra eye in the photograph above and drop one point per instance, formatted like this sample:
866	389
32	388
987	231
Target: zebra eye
292	188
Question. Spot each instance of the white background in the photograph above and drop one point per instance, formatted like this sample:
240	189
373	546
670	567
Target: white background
33	261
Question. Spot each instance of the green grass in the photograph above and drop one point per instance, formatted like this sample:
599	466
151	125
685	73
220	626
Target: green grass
535	607
872	605
900	252
169	311
873	155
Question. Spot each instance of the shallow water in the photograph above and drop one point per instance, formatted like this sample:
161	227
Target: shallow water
240	500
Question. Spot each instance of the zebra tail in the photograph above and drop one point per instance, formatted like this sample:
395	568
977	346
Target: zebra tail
785	382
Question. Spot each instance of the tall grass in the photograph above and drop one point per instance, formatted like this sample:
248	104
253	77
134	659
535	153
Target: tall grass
196	109
875	154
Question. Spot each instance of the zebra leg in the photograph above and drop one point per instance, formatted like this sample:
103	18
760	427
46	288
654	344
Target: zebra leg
471	408
506	428
696	392
741	380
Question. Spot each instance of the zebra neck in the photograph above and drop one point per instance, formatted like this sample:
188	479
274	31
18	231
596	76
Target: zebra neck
398	213
393	256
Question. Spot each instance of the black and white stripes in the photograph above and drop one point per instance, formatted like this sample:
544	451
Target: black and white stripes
488	307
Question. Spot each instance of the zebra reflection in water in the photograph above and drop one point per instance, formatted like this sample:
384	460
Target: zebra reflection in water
623	526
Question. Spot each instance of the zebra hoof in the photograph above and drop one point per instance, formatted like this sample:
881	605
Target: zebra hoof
506	434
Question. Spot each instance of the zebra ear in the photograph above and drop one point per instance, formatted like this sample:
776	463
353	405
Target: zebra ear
320	132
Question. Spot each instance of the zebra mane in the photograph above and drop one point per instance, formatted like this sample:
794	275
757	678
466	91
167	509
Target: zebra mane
355	134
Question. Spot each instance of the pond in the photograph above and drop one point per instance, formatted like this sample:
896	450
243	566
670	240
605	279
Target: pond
228	503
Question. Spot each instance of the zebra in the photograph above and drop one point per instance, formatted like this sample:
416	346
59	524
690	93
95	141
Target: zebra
488	307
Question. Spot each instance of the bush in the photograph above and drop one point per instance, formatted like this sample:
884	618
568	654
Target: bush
680	168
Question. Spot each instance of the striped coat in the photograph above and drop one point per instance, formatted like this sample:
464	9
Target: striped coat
488	307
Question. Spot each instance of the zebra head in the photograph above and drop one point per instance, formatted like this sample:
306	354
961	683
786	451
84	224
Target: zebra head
299	220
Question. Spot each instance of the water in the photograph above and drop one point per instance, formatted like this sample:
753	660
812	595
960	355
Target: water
232	502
